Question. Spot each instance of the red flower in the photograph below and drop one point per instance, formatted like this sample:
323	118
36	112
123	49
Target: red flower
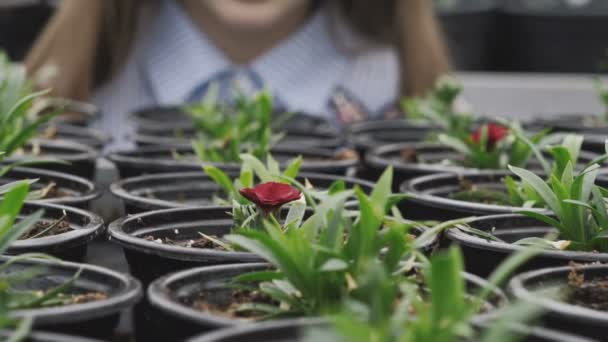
495	134
271	196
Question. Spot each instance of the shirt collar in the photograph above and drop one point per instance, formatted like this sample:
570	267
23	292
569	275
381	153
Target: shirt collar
178	57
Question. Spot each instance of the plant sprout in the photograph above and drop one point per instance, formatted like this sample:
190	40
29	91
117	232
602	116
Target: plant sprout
437	108
578	204
224	132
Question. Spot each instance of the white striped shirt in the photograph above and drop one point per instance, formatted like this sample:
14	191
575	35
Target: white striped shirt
172	59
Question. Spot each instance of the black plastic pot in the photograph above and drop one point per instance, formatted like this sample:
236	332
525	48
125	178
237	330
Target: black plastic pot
96	319
193	189
154	120
378	159
151	160
294	330
470	28
569	31
431	200
69	190
168	294
39	336
82	135
79	159
72	245
482	255
558	313
330	140
366	135
20	24
149	260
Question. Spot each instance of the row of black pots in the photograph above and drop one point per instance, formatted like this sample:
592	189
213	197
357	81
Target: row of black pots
527	32
176	159
481	256
174	120
95	319
415	159
68	196
196	189
167	297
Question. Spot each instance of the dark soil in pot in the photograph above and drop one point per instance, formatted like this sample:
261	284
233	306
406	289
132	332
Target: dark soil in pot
163	159
194	189
330	140
20	24
95	318
573	298
39	336
483	255
154	120
449	196
171	298
63	232
82	135
60	188
533	30
79	159
470	28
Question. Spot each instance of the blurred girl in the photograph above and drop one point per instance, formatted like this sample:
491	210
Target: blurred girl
345	59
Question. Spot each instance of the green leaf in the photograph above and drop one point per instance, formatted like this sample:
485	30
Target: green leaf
220	178
539	186
293	169
334	265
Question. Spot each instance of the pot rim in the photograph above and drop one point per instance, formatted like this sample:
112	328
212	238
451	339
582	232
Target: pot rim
519	290
90	194
129	295
91	229
462	238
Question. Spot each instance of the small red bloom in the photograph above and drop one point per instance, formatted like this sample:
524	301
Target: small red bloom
271	196
495	134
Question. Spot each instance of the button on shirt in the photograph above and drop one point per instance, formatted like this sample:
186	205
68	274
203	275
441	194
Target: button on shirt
173	62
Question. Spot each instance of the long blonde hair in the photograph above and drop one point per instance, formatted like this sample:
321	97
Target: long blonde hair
88	41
